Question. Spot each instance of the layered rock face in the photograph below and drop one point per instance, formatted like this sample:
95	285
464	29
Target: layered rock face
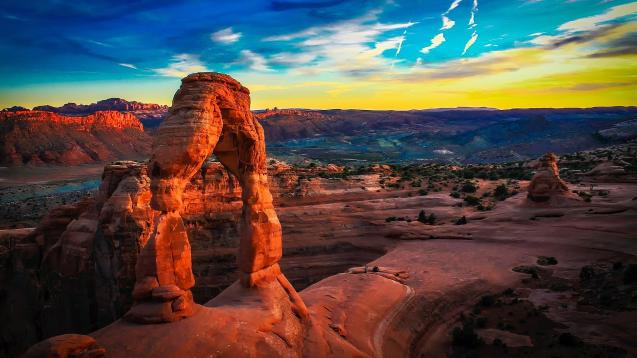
38	137
210	114
150	114
110	104
546	183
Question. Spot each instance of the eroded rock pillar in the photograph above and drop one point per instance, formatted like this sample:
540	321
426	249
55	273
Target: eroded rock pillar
546	183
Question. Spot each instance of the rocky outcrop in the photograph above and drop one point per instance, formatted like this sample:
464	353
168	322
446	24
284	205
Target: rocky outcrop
210	113
67	345
110	104
302	113
546	183
149	114
38	137
606	169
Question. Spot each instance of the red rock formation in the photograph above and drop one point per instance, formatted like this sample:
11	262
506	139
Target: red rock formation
110	104
546	183
210	114
37	137
67	345
289	112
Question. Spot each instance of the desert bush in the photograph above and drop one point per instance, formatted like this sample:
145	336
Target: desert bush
546	260
472	200
468	187
501	192
422	217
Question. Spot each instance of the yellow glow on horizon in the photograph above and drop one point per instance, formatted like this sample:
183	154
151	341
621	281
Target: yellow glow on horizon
526	76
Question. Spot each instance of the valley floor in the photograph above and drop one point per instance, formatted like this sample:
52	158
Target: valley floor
519	280
452	267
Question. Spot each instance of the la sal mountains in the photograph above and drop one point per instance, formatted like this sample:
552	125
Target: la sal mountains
115	128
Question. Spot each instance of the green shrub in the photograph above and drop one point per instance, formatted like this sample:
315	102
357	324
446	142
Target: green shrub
501	192
472	200
546	260
422	217
468	187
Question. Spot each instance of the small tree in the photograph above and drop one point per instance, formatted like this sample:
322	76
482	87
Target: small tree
468	187
431	219
472	200
462	220
422	217
501	192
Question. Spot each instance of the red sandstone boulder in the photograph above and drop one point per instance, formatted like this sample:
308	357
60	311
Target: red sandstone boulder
546	183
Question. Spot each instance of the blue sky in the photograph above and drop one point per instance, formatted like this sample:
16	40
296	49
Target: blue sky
320	54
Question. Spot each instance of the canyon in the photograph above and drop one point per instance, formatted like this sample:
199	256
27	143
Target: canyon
322	259
462	135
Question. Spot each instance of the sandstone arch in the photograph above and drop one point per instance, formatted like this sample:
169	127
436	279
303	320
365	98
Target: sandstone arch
210	114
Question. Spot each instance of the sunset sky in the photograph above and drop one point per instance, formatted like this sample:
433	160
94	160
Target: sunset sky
325	54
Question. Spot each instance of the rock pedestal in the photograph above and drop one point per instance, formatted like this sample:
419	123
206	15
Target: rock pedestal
546	183
210	114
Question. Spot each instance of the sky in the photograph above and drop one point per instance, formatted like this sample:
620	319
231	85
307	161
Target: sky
324	53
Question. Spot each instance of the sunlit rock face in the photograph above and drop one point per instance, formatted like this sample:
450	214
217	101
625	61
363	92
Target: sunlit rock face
39	137
546	183
210	114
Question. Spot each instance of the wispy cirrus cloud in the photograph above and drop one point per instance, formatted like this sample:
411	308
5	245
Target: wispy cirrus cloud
435	42
254	61
597	21
225	36
474	10
470	43
182	65
472	25
128	65
447	23
453	5
351	47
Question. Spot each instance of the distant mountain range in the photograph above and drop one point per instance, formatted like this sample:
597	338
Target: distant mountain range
465	135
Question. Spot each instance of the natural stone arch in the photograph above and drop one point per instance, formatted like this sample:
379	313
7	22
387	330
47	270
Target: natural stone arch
210	114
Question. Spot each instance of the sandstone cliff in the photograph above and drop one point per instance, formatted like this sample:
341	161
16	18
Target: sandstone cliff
38	137
150	114
110	104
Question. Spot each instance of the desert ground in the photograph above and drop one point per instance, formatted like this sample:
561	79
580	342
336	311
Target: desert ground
514	278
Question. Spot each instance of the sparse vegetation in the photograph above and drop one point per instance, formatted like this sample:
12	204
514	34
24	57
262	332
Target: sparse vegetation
501	192
472	200
469	187
546	260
